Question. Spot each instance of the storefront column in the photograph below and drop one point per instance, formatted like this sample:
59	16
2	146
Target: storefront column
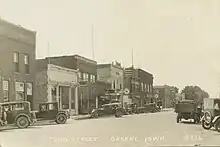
76	100
57	95
60	98
96	102
70	99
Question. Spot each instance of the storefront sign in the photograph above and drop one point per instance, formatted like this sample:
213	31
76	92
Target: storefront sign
29	88
5	85
19	86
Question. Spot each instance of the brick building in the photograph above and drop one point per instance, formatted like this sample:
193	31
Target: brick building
17	62
87	79
140	85
56	84
165	95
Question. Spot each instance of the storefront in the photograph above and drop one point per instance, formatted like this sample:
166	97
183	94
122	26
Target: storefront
62	87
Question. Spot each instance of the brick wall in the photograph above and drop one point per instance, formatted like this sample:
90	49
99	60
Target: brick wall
40	88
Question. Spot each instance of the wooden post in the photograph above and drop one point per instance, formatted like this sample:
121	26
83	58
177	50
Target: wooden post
70	98
76	101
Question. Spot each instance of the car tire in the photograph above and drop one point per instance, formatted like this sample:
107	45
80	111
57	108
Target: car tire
118	113
178	119
206	126
22	122
61	119
95	115
217	125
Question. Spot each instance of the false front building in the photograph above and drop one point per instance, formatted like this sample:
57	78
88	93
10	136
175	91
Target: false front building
56	84
87	78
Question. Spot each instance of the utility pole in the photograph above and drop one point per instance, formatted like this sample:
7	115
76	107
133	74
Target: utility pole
48	51
132	57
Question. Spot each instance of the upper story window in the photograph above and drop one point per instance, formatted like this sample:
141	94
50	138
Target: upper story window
142	86
26	62
16	61
80	75
145	87
92	78
85	77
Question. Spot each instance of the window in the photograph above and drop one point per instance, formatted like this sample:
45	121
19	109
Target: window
113	87
5	91
16	62
26	62
6	96
92	78
142	86
19	90
148	88
145	87
87	77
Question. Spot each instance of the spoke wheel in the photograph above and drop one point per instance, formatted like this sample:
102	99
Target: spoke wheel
217	125
22	122
206	125
118	113
61	119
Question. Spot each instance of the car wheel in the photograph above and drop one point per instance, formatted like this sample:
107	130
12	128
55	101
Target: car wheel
217	125
118	114
61	119
178	119
22	122
95	115
206	125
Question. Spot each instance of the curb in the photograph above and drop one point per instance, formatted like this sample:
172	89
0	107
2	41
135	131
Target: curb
80	117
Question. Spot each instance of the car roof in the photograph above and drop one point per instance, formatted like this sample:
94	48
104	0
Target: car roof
48	103
182	101
14	102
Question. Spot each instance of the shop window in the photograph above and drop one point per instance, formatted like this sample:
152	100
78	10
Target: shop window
5	91
19	90
19	95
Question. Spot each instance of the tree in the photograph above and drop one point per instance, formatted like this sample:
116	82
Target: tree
195	93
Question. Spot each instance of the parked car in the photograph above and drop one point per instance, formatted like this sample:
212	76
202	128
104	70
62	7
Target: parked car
50	111
211	116
109	109
187	109
131	108
148	108
17	113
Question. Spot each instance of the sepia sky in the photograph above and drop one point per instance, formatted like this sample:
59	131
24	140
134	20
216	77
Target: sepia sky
178	41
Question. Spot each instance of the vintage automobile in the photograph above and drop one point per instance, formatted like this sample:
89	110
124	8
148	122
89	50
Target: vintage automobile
50	111
149	108
131	108
211	116
17	113
187	109
109	109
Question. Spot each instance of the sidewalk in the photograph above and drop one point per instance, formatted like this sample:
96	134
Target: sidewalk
80	117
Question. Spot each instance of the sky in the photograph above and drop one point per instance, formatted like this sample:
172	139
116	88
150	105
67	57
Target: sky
178	41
